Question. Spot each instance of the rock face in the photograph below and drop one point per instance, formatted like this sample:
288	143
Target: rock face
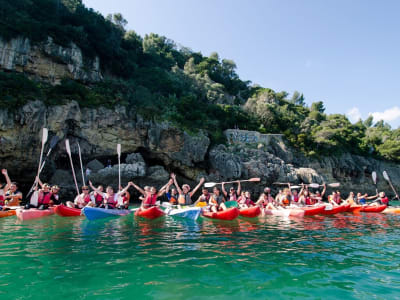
48	61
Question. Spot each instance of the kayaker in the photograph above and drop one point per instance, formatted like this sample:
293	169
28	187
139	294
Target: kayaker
351	200
266	200
81	200
278	196
334	199
233	195
306	199
4	189
173	195
13	196
151	196
383	199
362	199
185	195
204	198
97	198
245	200
285	197
123	200
319	196
217	200
110	198
55	197
147	192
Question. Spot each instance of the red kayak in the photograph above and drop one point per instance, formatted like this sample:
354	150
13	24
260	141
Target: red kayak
373	208
313	210
65	211
354	208
334	210
250	212
229	214
150	213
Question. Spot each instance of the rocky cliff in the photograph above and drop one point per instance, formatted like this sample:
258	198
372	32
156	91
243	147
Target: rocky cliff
151	150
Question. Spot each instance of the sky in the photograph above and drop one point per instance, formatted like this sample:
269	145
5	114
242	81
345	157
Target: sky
342	52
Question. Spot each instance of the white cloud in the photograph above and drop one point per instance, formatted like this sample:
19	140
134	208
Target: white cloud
388	115
353	114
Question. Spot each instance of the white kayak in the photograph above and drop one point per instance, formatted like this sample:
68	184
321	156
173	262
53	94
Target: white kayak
186	212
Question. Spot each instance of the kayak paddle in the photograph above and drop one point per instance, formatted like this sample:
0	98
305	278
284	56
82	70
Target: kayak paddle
45	135
80	159
386	176
212	184
68	148
374	180
119	164
53	143
316	185
230	204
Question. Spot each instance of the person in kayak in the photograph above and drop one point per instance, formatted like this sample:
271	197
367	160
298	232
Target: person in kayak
233	194
150	198
4	189
217	200
55	197
185	195
81	200
13	196
123	200
44	196
245	200
110	198
204	198
319	196
97	198
334	199
362	199
266	200
383	199
285	199
172	196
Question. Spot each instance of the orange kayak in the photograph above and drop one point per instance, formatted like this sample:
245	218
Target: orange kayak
7	213
392	210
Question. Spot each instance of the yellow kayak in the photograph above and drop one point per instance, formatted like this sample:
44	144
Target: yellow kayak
392	210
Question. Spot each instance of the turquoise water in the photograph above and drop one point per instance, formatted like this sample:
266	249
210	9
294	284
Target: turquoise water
344	256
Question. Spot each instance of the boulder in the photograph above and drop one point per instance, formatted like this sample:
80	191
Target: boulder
95	165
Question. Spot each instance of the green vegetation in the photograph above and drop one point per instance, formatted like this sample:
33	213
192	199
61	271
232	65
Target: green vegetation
166	82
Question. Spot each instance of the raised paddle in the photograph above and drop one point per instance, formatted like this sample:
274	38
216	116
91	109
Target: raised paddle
53	143
68	148
45	135
119	164
316	185
211	184
386	176
80	160
374	180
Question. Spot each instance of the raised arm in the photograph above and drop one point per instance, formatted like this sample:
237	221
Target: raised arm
125	188
39	181
173	176
239	189
95	189
323	191
223	189
8	184
142	191
197	187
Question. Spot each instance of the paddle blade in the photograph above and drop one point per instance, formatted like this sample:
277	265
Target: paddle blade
295	187
385	175
119	149
334	185
45	135
230	204
254	179
374	177
35	198
314	185
209	184
67	147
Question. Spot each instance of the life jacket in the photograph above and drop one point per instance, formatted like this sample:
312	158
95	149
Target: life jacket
98	199
54	198
185	199
362	200
338	200
205	198
150	200
295	198
309	201
385	200
14	201
44	198
245	200
285	201
112	201
173	199
2	201
217	200
87	199
233	197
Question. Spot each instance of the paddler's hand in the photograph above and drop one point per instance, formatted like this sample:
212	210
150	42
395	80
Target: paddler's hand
202	179
4	171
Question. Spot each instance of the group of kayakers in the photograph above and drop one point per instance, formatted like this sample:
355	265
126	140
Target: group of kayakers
182	195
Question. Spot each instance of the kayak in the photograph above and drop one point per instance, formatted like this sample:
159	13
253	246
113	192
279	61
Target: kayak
33	213
392	210
313	210
65	211
334	210
95	213
250	212
228	215
296	212
277	212
7	213
188	212
150	213
354	208
373	208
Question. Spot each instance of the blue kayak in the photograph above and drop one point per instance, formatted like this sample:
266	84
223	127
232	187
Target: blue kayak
187	212
95	213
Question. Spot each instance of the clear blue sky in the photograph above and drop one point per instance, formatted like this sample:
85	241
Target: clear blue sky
343	52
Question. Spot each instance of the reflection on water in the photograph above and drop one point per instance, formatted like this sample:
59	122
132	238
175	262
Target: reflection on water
173	258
